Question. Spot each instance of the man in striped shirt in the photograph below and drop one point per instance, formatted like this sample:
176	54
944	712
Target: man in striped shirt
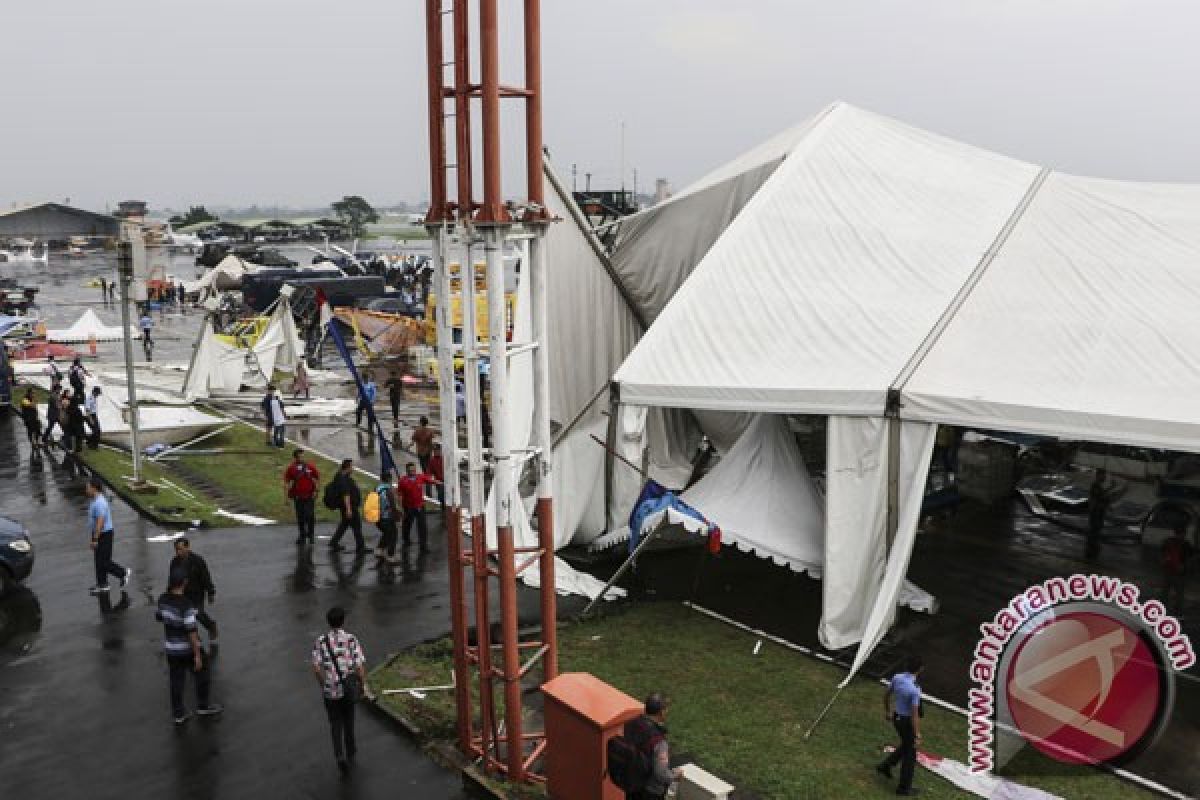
181	643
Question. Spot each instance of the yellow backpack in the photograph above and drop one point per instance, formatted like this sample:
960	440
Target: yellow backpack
372	509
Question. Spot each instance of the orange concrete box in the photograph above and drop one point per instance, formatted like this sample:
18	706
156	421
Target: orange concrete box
582	713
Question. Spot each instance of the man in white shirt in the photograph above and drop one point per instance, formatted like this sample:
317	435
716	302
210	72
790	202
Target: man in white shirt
91	407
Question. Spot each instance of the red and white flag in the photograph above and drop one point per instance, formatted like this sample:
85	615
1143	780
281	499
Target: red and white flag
323	309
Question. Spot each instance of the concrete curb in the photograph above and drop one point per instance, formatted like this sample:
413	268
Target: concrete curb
134	501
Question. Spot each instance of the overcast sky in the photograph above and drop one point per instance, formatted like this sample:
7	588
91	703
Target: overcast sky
298	102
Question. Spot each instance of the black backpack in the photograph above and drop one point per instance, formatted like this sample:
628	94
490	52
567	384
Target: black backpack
332	498
631	755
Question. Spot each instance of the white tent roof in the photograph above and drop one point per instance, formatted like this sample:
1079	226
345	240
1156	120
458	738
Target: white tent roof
87	327
990	292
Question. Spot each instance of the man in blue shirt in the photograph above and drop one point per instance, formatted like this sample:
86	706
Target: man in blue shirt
906	718
365	400
100	527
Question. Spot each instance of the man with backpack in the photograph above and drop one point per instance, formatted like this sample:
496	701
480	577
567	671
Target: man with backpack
300	480
639	759
343	494
380	508
412	496
1177	551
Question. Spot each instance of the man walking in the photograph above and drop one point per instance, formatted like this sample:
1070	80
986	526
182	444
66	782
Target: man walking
276	420
422	443
350	500
388	506
91	406
395	387
181	643
648	734
906	717
100	528
336	657
301	479
146	324
412	496
366	400
199	584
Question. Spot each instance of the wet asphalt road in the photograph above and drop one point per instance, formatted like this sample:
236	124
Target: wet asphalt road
84	708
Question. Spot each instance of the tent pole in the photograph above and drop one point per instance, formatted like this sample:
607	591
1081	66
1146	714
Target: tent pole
625	566
893	471
610	438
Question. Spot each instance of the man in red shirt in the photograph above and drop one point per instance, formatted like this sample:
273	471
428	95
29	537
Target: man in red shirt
412	498
301	479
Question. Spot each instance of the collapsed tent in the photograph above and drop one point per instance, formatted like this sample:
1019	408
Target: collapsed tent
87	328
218	367
894	280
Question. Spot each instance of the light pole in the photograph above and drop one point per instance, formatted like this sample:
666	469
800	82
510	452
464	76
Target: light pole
125	273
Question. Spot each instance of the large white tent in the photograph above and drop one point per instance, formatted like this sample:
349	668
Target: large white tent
891	278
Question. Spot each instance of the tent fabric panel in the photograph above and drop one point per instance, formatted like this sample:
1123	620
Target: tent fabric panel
763	498
655	251
855	518
1083	326
858	402
590	328
916	450
832	275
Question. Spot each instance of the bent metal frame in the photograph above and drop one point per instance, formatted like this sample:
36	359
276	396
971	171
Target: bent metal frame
458	230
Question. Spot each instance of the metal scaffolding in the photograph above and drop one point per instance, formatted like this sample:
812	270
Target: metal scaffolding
460	231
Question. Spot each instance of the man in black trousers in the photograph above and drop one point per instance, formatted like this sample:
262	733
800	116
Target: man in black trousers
199	584
336	657
350	500
906	719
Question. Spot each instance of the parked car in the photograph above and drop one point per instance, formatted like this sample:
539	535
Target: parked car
16	553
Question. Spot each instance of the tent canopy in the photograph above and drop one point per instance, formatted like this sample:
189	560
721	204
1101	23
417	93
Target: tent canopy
986	290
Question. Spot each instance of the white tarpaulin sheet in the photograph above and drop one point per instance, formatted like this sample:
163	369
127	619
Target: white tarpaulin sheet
763	499
88	327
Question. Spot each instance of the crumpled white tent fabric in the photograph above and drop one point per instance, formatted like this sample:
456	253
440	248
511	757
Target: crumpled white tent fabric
763	499
855	589
280	347
216	368
224	276
89	326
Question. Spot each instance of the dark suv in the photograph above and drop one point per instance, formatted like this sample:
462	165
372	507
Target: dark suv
16	553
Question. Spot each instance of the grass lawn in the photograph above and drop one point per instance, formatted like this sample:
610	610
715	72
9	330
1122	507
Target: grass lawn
167	502
249	476
740	715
